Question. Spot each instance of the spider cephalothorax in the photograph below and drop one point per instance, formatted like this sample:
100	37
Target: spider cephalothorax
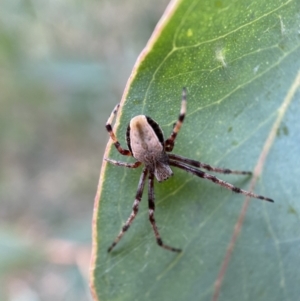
146	144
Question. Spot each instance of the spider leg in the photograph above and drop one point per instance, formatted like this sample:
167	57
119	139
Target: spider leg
214	179
151	215
207	166
124	164
135	209
169	143
121	150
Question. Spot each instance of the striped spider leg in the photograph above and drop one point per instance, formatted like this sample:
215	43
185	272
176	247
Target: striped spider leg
169	143
151	205
201	174
135	208
108	126
146	143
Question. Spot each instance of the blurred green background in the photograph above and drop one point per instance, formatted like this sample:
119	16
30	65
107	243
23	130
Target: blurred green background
63	67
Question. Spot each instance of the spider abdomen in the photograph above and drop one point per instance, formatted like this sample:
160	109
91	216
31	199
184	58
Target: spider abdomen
143	140
146	143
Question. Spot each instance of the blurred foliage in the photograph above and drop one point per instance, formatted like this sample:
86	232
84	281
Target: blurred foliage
63	65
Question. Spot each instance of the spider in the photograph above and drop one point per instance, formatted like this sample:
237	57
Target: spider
147	145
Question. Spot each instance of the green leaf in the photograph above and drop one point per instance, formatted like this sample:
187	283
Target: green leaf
240	63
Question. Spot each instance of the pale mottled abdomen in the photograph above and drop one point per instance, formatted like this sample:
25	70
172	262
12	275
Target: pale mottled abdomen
146	142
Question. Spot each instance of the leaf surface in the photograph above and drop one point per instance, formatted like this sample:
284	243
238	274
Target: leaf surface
240	63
